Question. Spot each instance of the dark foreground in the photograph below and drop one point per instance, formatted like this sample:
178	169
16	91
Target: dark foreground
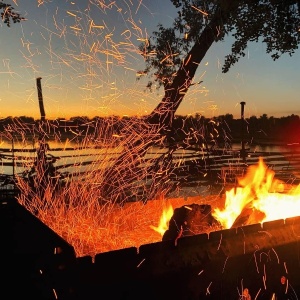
36	263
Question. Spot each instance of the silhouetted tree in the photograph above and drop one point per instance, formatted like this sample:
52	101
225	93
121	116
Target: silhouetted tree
8	14
173	55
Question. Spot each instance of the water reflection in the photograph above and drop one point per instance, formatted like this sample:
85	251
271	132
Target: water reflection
71	156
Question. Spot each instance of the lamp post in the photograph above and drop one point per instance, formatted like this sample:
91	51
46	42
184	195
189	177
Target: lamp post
243	151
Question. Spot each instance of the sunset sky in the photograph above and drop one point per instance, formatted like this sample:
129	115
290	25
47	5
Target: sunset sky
86	53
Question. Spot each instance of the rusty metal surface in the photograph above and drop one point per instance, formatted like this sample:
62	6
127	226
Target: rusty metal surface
215	266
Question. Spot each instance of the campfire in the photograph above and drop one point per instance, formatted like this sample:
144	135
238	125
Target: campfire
254	260
92	228
259	197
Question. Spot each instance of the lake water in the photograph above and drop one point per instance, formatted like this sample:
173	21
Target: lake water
70	156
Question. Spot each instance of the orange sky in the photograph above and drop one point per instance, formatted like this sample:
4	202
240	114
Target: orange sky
87	57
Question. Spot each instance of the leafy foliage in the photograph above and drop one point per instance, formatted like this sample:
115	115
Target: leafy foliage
9	14
273	22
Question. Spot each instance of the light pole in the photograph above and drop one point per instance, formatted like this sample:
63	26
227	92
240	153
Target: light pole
243	151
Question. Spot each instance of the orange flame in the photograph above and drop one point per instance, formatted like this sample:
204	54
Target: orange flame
260	197
164	220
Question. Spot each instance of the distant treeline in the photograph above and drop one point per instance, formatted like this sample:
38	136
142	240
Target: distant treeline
187	130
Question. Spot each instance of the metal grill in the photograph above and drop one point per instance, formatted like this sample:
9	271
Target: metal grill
221	265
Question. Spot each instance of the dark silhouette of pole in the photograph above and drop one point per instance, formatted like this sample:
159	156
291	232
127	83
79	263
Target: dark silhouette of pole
243	152
41	165
13	157
40	97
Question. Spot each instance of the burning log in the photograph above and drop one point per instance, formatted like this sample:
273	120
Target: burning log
190	220
248	216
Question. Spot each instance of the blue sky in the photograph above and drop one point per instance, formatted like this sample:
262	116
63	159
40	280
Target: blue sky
87	57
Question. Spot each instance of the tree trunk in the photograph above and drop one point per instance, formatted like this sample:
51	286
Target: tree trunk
164	113
154	128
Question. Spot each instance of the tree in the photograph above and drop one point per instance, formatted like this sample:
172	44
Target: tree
173	55
8	14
